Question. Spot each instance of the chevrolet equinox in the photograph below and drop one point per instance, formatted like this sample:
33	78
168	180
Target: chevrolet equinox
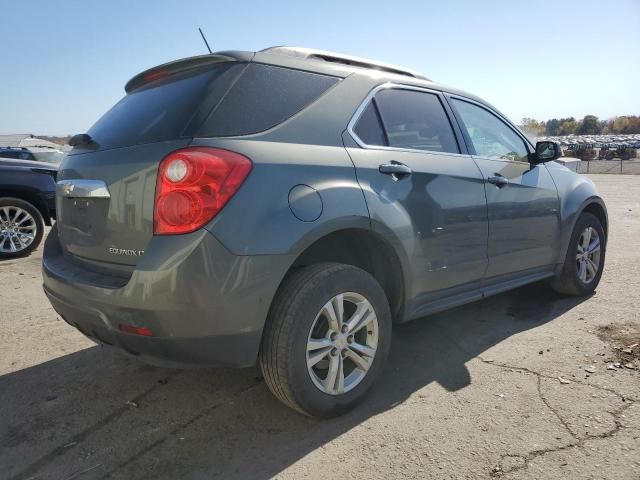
286	207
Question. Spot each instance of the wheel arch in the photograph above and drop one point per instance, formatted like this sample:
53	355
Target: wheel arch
364	248
594	205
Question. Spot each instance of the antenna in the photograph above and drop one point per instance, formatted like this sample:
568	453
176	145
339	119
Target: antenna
205	40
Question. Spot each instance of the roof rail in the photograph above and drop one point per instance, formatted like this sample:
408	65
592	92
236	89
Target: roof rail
313	54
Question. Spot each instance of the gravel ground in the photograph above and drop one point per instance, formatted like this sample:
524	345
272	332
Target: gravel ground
499	388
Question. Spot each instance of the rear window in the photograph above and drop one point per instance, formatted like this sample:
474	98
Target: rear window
157	112
263	97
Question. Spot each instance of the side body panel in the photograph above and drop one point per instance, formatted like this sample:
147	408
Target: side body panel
523	204
259	220
438	213
524	218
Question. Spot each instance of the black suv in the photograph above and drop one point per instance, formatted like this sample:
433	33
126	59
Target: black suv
27	204
37	154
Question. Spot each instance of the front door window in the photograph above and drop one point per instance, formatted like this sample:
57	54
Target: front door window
490	136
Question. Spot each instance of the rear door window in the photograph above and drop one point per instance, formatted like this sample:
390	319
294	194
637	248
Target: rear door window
156	112
408	119
263	97
416	120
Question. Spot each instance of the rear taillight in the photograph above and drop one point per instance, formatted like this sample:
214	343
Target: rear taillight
193	185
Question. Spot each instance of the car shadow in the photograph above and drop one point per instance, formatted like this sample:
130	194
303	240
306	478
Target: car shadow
109	416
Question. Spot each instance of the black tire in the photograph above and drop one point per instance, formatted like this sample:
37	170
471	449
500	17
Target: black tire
568	281
39	224
283	359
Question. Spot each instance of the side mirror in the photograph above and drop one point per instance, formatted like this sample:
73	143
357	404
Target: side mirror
545	152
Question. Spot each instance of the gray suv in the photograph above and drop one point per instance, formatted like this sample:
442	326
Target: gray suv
286	207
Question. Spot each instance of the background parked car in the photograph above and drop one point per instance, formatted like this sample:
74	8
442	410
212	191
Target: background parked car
37	154
27	204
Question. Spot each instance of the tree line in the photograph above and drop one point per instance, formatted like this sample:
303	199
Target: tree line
589	125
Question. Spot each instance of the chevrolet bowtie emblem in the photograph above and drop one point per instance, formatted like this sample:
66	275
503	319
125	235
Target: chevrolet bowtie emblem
67	188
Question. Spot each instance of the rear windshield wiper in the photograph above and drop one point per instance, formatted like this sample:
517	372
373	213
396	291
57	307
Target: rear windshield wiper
81	139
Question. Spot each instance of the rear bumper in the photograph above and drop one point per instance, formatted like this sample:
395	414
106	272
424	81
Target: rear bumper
204	305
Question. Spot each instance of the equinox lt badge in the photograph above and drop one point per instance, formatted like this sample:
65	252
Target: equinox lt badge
125	253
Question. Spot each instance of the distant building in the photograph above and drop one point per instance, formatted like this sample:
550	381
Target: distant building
28	140
13	140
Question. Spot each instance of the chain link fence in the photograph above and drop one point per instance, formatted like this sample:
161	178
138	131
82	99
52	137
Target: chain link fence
619	166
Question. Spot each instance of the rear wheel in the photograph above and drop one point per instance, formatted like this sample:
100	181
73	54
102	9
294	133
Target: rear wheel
21	228
584	262
326	339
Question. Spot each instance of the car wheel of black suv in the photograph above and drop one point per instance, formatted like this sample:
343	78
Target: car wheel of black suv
584	262
21	227
326	339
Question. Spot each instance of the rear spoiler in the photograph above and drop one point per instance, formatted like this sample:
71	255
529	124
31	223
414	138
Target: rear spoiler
183	65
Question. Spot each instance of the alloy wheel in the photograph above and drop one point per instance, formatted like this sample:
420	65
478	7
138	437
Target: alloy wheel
588	255
18	229
342	343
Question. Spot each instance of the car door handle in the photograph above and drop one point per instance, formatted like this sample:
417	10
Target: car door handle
397	170
498	180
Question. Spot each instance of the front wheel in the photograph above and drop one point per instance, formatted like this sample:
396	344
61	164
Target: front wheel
326	339
584	262
21	228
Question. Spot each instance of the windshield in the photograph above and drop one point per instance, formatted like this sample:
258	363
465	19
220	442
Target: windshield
53	156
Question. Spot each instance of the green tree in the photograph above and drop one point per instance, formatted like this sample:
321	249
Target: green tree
589	126
625	125
552	127
619	124
532	127
568	126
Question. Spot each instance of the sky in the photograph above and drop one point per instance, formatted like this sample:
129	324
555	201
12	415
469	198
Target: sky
65	62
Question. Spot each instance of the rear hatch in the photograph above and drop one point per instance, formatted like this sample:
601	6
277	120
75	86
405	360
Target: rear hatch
106	188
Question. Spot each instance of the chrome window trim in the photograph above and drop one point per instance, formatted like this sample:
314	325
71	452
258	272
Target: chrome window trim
398	86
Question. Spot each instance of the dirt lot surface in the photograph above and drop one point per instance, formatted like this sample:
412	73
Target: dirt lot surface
527	384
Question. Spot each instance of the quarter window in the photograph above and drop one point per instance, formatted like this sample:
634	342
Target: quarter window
369	129
490	136
263	97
